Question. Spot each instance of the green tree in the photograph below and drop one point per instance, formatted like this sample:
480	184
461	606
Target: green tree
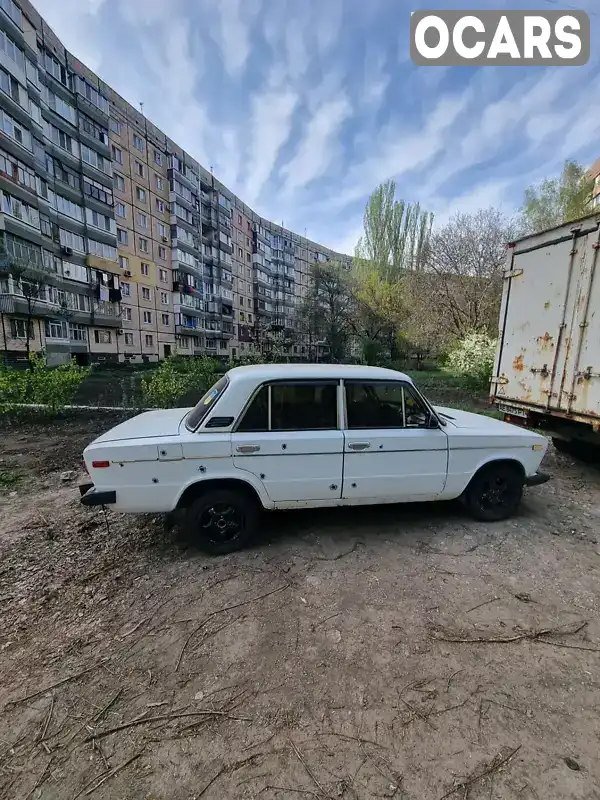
395	234
326	312
378	314
558	200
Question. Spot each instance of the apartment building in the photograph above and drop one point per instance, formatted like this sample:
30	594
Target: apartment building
116	244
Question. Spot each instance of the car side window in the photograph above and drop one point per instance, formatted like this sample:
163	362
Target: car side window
383	405
256	417
299	406
303	406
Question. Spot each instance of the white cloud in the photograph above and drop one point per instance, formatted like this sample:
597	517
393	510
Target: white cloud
233	35
317	149
271	119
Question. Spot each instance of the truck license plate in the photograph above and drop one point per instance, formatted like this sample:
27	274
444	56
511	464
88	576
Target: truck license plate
514	412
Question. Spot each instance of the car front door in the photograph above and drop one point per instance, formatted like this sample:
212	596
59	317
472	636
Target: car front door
391	450
290	438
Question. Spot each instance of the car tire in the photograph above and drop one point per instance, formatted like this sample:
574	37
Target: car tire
495	492
222	520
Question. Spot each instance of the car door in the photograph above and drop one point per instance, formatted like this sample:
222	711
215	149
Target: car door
391	452
289	437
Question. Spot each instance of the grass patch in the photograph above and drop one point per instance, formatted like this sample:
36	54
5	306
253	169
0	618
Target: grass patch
9	478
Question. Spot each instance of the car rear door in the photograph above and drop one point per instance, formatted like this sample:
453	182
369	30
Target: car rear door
290	438
391	452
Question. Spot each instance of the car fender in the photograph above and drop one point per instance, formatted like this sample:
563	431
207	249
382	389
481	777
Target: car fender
241	476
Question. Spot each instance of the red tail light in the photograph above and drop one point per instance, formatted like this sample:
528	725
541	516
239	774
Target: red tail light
100	464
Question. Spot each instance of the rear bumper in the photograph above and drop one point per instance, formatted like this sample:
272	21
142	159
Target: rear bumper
537	479
90	496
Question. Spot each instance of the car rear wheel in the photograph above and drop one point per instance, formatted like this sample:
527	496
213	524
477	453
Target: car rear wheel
495	492
222	520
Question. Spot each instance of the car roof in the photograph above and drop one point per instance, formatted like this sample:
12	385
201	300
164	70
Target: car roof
269	372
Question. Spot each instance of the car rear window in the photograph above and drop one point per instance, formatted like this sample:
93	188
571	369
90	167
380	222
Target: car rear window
201	409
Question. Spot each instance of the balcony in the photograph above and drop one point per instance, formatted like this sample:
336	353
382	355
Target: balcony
103	264
188	330
107	314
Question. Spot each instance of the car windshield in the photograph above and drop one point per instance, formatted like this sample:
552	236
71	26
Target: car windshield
201	409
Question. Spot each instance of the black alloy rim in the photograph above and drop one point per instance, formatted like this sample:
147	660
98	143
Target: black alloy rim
221	523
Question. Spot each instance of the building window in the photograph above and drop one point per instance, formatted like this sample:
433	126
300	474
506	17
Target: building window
102	221
149	339
123	262
162	253
72	240
137	142
18	329
10	86
129	339
157	157
115	126
59	138
122	236
121	210
164	298
56	329
145	269
248	257
92	128
239	219
139	168
142	220
125	290
162	230
143	244
102	337
165	319
140	194
102	250
145	294
97	190
117	154
159	181
148	317
77	333
119	182
160	206
163	275
127	313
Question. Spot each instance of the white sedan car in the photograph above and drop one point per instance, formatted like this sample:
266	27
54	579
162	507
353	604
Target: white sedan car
304	436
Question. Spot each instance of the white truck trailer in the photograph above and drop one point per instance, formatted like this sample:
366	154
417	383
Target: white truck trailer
547	369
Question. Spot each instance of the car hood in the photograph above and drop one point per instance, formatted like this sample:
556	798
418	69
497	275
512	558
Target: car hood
162	422
467	419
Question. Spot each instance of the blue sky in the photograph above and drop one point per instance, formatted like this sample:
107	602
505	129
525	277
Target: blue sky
302	107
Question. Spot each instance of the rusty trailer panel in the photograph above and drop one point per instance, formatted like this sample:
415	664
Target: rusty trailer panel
548	356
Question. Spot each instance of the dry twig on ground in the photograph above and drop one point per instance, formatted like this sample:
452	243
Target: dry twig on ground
497	763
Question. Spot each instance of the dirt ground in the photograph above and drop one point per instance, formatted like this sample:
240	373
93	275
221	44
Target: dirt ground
334	659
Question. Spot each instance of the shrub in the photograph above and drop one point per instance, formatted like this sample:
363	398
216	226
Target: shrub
54	387
176	377
13	388
473	359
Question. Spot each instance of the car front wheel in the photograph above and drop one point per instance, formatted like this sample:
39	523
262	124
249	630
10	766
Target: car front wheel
495	492
222	520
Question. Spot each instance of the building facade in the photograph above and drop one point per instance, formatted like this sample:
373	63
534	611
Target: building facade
117	245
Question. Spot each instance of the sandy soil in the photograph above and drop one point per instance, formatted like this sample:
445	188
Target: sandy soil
322	662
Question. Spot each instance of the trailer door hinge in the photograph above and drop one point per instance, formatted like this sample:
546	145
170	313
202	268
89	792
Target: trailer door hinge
588	374
512	273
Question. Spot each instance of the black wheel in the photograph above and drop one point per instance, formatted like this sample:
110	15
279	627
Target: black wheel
495	492
222	520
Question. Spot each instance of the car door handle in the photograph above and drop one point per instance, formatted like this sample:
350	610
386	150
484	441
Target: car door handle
359	445
248	448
